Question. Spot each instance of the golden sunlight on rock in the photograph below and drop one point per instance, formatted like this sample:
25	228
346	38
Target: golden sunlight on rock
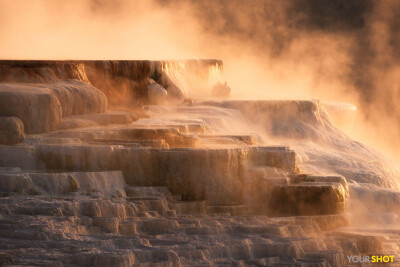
117	148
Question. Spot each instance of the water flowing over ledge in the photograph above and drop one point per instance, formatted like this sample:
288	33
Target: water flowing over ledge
123	157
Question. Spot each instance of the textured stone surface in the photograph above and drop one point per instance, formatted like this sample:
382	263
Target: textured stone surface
11	131
306	127
107	118
18	156
76	97
126	231
42	106
307	198
103	184
197	184
37	106
122	81
215	175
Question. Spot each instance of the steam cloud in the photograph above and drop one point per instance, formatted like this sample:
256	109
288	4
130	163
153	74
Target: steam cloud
344	50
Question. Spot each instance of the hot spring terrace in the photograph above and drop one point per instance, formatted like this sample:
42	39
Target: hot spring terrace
90	174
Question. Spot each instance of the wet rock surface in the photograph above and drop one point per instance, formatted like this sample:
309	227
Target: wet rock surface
11	131
170	206
307	199
140	227
91	184
41	107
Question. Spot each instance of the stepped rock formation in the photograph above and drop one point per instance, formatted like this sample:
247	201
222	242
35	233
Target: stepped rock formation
11	130
91	175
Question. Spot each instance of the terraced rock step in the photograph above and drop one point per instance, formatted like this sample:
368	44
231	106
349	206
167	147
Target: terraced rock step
102	184
264	193
215	175
125	225
41	107
120	232
190	207
91	175
131	133
307	199
107	118
122	81
213	139
136	143
11	131
230	210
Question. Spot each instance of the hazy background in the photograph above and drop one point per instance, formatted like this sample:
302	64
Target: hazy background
342	50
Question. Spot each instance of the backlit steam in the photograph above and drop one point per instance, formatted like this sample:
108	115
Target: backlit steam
335	51
193	79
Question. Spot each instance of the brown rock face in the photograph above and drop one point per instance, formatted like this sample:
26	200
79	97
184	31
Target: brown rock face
42	106
37	107
307	198
183	187
124	82
11	131
41	93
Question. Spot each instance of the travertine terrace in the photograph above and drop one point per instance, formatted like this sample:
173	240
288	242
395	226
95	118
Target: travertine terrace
109	163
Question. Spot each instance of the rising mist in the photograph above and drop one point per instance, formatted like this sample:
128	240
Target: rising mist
333	51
